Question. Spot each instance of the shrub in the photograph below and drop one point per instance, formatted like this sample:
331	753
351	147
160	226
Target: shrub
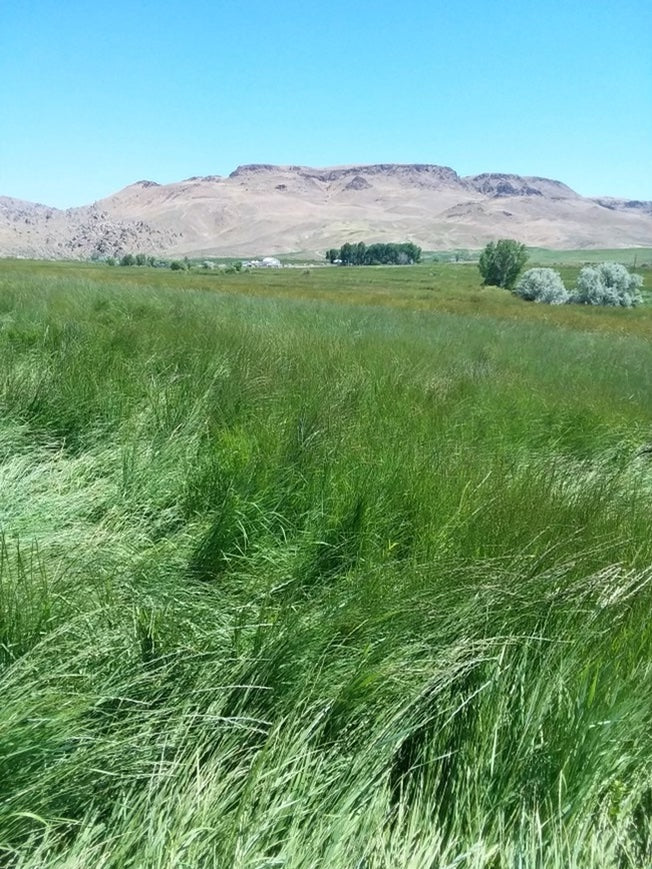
127	260
501	262
542	285
177	266
608	284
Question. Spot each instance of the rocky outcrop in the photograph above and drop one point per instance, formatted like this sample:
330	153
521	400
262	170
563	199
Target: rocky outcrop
264	208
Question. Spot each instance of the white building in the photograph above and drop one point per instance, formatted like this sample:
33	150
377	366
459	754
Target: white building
267	262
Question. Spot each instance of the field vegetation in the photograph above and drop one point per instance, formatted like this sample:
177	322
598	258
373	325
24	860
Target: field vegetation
327	567
631	257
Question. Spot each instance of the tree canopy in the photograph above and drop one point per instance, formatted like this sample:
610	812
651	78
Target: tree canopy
501	263
381	253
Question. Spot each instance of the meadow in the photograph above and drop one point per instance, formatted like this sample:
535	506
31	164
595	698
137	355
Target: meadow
322	567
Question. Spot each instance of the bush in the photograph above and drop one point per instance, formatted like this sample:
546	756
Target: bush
128	260
608	284
177	266
542	285
501	262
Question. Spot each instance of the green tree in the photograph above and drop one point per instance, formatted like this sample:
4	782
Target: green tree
380	253
501	263
127	260
347	254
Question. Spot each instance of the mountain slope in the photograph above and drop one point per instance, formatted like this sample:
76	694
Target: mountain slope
263	208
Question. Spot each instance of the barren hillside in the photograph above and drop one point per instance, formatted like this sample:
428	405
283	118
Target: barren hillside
262	208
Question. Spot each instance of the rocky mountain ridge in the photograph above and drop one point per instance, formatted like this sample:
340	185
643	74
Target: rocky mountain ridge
265	208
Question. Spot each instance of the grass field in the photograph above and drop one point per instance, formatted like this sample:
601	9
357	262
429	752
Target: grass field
321	567
630	257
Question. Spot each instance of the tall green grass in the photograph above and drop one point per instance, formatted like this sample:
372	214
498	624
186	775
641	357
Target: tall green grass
285	582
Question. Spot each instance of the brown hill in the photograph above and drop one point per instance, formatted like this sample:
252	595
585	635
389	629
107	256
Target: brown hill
263	209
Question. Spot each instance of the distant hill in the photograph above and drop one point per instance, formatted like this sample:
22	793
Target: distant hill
265	209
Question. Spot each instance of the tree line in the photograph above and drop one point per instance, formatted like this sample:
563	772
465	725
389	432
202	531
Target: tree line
361	254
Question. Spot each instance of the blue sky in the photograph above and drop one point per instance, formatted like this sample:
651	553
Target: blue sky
94	96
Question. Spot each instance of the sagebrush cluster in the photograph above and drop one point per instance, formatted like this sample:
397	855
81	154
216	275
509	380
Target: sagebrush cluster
542	285
608	284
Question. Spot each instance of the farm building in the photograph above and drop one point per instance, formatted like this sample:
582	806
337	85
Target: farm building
267	262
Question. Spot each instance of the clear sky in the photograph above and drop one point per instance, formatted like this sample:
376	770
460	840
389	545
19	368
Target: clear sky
96	95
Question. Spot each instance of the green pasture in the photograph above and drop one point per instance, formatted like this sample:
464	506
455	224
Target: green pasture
452	288
321	567
632	257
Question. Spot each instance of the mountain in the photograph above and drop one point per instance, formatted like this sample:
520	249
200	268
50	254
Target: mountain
264	209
